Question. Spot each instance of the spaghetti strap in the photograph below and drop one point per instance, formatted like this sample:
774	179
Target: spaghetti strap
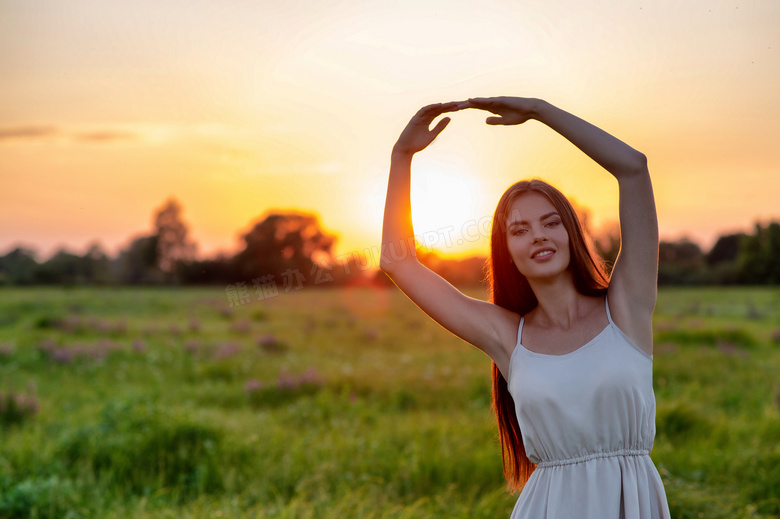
609	315
520	330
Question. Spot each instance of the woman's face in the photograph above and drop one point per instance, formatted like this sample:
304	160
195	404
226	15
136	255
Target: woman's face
536	238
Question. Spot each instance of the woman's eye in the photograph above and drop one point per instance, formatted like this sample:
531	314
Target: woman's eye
553	224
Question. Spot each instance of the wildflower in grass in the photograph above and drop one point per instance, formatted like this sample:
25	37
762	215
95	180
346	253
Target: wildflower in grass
310	377
726	347
287	381
121	327
252	385
227	350
106	327
47	346
139	346
68	354
776	336
103	326
192	346
226	313
95	352
175	329
63	355
6	350
269	343
72	323
370	334
241	326
194	325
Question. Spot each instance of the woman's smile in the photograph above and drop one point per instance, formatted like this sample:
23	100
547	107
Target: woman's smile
543	254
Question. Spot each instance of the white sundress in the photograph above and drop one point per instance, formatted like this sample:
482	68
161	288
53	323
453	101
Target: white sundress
588	421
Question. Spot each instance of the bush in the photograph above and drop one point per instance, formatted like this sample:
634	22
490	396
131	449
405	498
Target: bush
17	408
141	449
35	497
679	422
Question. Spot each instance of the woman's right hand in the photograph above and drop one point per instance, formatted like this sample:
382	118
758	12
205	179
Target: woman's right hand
418	135
510	110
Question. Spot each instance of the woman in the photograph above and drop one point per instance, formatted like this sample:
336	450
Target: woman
571	348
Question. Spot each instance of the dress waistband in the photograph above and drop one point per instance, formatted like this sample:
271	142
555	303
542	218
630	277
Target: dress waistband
595	455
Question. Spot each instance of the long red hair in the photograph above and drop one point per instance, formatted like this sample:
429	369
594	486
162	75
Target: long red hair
511	290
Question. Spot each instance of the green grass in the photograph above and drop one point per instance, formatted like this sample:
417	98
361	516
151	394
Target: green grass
339	403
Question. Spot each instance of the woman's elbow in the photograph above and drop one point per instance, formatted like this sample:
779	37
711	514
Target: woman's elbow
395	255
639	162
385	265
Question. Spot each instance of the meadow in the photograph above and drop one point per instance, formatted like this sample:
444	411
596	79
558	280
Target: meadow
334	403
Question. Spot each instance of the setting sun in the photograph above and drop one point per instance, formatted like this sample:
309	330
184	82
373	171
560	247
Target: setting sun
445	201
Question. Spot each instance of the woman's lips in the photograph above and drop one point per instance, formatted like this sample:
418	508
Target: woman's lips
543	255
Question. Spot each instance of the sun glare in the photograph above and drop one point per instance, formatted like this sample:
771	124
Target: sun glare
444	200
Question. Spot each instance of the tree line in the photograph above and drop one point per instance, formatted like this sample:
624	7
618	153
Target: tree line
279	243
290	250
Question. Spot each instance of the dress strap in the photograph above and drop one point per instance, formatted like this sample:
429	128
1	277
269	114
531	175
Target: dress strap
520	330
609	315
622	333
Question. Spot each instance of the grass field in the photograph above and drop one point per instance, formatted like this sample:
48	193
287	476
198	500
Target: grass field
152	403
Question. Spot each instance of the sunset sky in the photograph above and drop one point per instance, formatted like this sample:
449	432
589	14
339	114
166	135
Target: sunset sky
107	109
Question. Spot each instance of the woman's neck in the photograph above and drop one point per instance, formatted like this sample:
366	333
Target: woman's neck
559	303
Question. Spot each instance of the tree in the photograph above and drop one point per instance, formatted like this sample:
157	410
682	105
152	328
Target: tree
154	258
18	267
62	268
680	263
137	264
759	255
171	233
282	242
67	268
726	249
97	264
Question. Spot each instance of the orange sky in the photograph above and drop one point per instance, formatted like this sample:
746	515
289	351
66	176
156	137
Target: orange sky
107	109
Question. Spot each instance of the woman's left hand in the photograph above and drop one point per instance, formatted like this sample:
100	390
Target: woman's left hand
418	135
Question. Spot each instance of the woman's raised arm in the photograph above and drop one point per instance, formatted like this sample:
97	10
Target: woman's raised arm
489	327
633	285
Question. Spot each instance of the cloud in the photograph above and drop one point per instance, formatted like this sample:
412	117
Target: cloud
28	133
104	136
46	133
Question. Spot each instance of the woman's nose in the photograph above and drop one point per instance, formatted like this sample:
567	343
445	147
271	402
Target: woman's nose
539	235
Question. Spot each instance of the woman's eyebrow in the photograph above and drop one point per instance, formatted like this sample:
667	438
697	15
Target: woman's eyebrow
543	217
